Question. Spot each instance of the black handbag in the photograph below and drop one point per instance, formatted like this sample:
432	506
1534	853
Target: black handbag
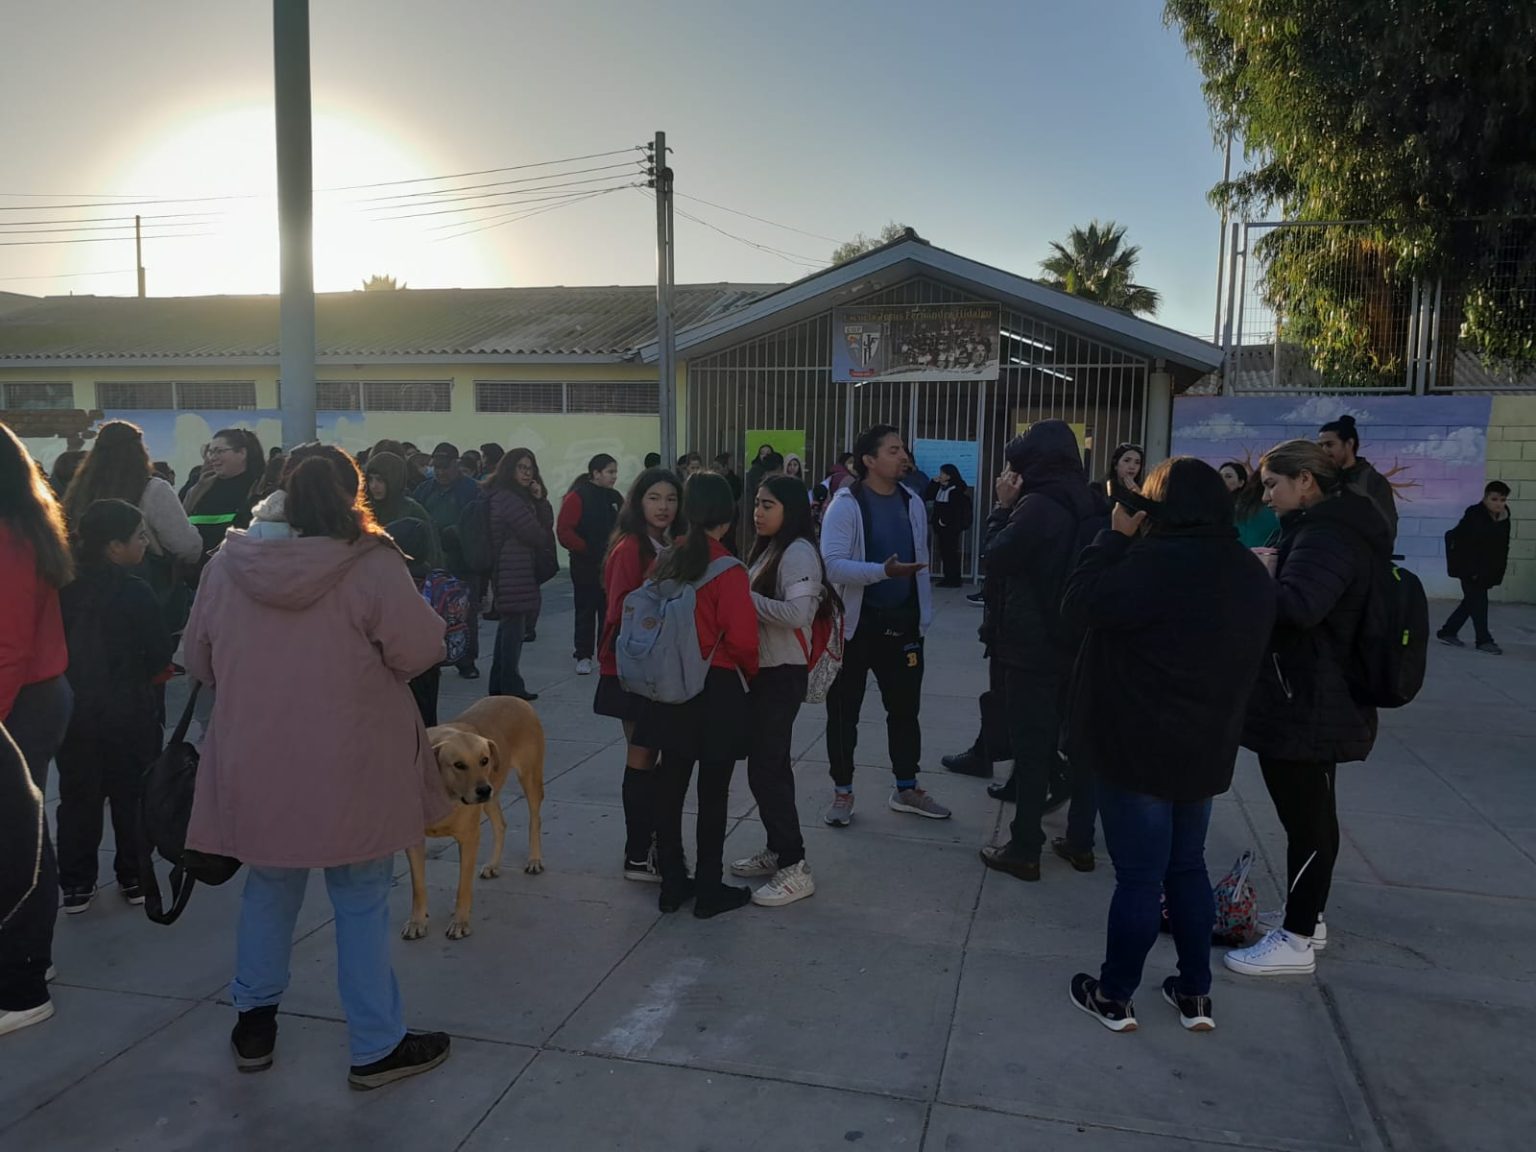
166	810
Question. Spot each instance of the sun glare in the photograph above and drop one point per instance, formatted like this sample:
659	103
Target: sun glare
231	152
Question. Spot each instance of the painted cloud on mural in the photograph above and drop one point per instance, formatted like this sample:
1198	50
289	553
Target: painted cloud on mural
1220	426
1459	446
1320	410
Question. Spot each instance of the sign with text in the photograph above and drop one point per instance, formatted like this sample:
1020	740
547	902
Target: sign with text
915	342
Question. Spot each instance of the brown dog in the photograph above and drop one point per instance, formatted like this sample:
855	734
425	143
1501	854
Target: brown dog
475	752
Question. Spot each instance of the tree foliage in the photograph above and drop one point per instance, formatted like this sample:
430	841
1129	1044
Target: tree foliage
860	244
377	283
1097	264
1416	115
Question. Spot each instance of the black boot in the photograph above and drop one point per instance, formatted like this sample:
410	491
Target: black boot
1007	791
971	762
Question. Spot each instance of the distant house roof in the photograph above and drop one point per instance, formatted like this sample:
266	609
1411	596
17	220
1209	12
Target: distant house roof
584	324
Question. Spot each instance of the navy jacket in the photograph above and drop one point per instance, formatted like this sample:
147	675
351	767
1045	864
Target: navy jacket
1477	549
1176	626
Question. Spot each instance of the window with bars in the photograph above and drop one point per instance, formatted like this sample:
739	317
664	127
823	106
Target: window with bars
114	394
384	395
27	397
578	397
187	396
338	396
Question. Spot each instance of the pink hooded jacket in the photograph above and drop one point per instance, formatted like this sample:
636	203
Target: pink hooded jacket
315	755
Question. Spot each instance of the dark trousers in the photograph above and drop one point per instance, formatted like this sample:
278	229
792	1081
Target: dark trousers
424	690
476	586
1474	604
992	743
949	553
776	696
1157	847
96	770
1083	808
37	724
591	612
1303	792
506	680
1034	725
895	656
672	775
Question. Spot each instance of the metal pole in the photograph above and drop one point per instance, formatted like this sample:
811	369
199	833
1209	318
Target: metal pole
1221	254
666	345
1229	371
1435	334
138	253
295	218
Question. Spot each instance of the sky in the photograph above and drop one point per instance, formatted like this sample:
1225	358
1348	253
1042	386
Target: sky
990	126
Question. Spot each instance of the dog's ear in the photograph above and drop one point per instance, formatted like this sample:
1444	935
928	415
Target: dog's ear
495	754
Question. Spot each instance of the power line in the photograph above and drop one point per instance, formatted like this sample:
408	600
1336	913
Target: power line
514	217
118	203
792	257
71	275
482	171
509	203
492	184
494	196
99	219
100	239
100	228
759	219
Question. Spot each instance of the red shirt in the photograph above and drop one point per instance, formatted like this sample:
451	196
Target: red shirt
723	612
622	574
32	647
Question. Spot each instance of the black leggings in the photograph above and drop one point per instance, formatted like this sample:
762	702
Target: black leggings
1303	792
672	775
777	694
94	770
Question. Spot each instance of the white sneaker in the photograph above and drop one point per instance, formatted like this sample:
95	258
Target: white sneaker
765	863
1269	921
788	885
15	1021
583	667
1279	954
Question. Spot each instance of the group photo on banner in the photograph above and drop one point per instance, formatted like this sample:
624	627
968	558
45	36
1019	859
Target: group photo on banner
915	342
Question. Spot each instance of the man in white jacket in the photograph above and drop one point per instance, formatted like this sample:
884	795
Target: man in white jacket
874	539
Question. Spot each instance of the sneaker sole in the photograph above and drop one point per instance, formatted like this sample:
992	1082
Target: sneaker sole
16	1021
1126	1025
642	877
1449	643
379	1079
76	909
780	901
250	1063
751	873
895	807
1191	1023
1247	969
832	822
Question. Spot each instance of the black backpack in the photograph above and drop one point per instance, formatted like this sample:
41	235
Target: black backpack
1393	641
474	536
166	810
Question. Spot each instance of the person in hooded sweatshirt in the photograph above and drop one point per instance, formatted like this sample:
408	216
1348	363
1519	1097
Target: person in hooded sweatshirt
389	501
1341	440
1302	719
315	756
118	645
1045	514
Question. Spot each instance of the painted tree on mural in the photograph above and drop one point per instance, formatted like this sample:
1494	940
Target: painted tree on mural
1097	263
1414	117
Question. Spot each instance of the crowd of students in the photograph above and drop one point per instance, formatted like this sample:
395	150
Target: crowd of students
1138	630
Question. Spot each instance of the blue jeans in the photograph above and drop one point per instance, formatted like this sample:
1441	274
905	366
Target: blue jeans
365	978
1158	848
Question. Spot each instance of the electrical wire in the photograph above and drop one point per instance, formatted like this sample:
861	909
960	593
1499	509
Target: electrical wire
483	171
809	262
495	196
148	229
759	219
100	239
70	275
514	217
117	203
492	184
100	219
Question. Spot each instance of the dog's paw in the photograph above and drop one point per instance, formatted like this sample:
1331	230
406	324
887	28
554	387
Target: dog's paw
533	867
490	871
458	929
414	929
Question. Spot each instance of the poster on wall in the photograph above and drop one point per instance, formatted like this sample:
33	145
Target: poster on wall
915	342
931	455
785	442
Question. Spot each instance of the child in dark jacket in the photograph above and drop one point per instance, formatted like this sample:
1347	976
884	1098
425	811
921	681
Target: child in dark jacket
1476	553
118	647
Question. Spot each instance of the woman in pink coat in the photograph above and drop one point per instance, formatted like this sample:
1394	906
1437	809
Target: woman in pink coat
309	628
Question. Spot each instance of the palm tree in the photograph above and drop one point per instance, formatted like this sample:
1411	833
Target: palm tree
377	283
1098	265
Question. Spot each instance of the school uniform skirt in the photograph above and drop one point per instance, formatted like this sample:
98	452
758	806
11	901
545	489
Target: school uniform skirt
715	725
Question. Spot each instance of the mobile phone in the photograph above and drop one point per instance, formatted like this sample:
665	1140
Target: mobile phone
1132	502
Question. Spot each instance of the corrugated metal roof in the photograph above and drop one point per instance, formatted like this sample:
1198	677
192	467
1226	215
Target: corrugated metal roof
550	322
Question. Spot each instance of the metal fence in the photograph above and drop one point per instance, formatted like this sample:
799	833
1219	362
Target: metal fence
784	381
1342	306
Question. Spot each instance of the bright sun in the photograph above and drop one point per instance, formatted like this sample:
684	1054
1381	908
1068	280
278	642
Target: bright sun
231	152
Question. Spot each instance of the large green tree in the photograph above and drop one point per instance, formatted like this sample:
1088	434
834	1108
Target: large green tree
1416	115
1097	263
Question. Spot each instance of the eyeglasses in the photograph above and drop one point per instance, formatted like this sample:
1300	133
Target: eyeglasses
217	450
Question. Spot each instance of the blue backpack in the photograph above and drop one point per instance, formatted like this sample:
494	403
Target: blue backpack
658	643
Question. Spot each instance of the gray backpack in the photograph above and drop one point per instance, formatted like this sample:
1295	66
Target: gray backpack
658	643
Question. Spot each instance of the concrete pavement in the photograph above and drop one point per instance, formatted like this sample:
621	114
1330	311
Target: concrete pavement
916	1002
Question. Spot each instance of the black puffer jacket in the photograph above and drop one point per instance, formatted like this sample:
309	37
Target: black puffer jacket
1177	624
1477	549
1032	548
1301	707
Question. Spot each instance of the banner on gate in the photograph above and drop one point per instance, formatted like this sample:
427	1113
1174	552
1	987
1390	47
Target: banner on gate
915	342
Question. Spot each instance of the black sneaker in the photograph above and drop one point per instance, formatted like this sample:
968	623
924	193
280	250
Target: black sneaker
76	900
1007	791
1082	861
968	763
1450	638
1194	1011
725	898
530	636
976	598
130	891
1114	1015
418	1052
469	672
254	1038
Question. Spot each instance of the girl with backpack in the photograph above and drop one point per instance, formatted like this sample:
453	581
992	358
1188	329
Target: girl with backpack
714	728
1302	717
118	646
643	532
789	593
587	516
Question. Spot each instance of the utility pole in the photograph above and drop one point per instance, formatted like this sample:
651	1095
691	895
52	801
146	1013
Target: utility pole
295	218
138	253
1221	255
666	336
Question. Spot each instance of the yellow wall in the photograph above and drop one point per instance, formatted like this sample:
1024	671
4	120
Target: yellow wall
1512	459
